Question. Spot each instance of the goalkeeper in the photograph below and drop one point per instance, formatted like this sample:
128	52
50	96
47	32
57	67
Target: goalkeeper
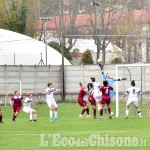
106	77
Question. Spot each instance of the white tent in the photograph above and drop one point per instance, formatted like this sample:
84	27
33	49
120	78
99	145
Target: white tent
19	49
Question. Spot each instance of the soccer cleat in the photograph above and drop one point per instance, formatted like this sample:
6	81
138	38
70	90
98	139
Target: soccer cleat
31	121
1	122
81	116
51	119
100	117
88	116
110	117
94	117
56	119
126	117
35	120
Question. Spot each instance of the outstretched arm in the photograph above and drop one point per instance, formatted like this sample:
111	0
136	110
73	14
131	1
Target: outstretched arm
35	106
126	93
103	75
119	79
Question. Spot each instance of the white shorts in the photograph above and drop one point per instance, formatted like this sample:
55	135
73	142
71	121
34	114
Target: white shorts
51	102
132	100
97	96
27	109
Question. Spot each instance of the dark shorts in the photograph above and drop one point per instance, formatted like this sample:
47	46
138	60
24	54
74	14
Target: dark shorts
91	100
82	102
16	108
105	101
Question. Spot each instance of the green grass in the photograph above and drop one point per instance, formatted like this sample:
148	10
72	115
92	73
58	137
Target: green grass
24	135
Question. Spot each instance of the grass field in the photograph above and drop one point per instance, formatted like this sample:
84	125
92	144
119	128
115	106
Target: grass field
24	135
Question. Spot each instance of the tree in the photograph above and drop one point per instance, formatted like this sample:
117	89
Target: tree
20	16
87	57
15	16
57	47
56	11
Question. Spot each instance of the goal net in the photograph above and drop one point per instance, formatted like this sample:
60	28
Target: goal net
140	73
7	90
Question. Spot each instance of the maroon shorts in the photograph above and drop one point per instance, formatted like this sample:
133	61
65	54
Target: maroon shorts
82	102
92	100
105	101
16	108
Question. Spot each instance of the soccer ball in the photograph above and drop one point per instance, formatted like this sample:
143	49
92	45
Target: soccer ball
99	61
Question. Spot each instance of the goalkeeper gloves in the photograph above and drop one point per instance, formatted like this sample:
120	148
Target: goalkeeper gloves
124	78
101	66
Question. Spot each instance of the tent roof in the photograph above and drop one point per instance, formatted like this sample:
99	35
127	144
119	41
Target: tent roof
19	49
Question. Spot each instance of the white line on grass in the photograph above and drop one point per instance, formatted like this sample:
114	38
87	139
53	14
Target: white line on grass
63	132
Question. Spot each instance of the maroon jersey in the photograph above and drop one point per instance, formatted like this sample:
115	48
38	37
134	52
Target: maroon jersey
17	100
105	91
81	93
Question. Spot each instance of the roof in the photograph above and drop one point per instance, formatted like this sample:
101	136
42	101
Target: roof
19	49
139	17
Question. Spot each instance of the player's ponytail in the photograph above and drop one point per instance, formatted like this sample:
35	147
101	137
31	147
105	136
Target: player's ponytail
80	84
89	86
133	83
16	91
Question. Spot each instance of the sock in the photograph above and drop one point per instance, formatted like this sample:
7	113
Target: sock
109	111
127	112
35	116
94	111
0	118
139	113
14	117
83	111
56	114
87	111
101	112
31	116
51	113
99	107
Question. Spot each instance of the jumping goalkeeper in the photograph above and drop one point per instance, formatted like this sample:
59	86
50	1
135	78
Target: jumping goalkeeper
106	77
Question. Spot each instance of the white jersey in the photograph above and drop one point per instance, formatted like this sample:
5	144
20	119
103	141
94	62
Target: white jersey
50	92
96	86
28	102
96	92
133	92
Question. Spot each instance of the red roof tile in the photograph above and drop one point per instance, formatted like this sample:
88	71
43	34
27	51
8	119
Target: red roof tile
138	16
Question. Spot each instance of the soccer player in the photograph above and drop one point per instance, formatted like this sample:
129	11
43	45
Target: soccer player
81	101
1	116
51	101
27	107
110	80
105	98
16	103
91	98
133	98
96	92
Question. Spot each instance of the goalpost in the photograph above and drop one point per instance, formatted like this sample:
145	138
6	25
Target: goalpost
7	89
141	74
